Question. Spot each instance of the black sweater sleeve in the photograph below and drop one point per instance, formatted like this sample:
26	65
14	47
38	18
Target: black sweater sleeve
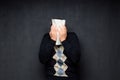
46	48
72	47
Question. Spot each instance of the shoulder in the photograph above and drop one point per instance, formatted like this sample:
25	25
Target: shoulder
46	35
71	34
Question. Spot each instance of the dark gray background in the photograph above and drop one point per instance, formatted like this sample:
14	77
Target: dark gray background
23	24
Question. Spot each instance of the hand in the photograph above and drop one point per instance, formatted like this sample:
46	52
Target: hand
63	33
53	32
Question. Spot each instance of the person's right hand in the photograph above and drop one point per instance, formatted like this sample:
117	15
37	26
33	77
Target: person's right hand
53	32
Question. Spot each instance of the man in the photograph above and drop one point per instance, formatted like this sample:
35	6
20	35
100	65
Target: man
61	62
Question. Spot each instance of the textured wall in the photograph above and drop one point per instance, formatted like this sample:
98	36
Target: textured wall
23	23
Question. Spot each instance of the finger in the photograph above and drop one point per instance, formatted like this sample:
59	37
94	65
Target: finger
63	28
50	33
52	28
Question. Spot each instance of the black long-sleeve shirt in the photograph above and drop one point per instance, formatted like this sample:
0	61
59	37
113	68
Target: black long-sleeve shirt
71	50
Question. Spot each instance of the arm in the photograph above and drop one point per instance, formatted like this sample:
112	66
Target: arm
72	47
46	49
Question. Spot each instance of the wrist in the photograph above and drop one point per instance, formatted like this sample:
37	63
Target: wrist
53	39
63	39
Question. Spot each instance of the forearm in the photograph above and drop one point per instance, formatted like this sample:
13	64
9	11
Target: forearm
46	49
72	48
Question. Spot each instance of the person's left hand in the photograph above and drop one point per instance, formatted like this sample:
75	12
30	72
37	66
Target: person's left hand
63	33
